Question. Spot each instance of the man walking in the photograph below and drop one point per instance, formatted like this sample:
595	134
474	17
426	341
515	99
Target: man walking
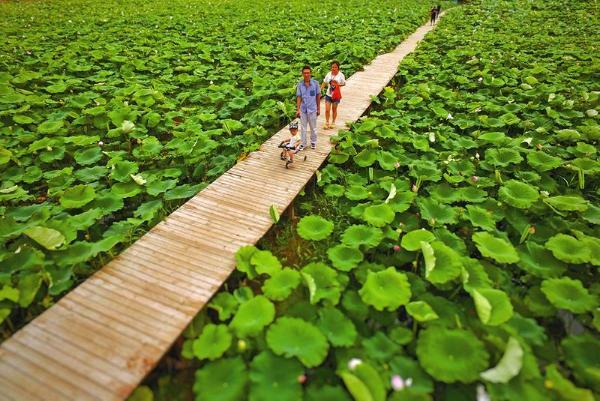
308	106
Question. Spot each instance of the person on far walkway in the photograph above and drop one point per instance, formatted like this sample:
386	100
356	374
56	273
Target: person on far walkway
433	14
333	80
308	106
438	11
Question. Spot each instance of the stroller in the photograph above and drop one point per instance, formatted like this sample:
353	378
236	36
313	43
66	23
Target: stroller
290	146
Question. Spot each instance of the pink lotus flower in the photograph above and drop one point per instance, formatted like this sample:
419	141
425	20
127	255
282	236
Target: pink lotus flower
397	247
474	178
398	383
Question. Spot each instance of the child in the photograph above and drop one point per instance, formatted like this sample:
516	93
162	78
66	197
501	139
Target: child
290	146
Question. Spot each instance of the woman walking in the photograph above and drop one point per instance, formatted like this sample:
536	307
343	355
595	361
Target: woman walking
333	80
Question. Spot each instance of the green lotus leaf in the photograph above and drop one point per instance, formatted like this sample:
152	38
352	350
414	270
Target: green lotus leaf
495	138
481	218
363	381
77	196
509	366
496	248
221	380
357	192
421	311
592	214
502	157
142	393
366	157
125	189
493	306
387	160
437	213
581	357
564	388
542	161
568	203
88	156
407	367
157	187
334	190
46	237
122	171
344	257
411	241
281	284
518	194
265	262
274	378
314	228
569	294
446	264
569	249
338	329
212	342
252	316
379	215
292	337
50	127
356	387
387	289
183	191
472	194
586	165
322	283
10	293
539	261
21	119
380	347
451	355
357	235
444	193
225	304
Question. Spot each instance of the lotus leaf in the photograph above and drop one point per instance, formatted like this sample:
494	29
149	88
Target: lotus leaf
183	191
451	355
357	235
581	360
542	161
225	304
252	316
444	266
569	294
334	190
565	389
378	215
509	366
314	228
366	157
387	289
493	306
265	262
344	257
338	329
322	283
46	237
412	240
281	284
518	194
436	213
88	156
357	192
221	380
125	189
496	248
569	249
502	157
293	337
539	261
213	342
421	311
274	378
481	217
77	196
567	203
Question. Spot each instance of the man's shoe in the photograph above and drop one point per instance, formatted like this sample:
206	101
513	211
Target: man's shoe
313	145
301	147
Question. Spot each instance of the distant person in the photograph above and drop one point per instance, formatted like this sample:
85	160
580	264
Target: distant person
308	107
290	146
334	80
439	11
433	14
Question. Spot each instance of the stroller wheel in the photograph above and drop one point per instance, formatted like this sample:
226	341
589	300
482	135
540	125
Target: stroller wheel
305	157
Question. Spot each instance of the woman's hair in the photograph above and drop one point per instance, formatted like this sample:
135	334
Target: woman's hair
335	62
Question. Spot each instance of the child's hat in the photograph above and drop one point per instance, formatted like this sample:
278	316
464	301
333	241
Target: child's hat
293	125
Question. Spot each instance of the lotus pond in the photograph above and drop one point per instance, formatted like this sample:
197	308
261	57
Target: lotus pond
447	251
114	113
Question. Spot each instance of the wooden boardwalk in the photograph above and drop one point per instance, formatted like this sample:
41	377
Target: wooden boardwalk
101	339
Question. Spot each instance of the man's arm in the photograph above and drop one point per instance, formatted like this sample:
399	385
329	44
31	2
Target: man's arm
298	102
318	103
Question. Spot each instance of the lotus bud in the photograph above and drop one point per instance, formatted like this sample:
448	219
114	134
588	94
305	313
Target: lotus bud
480	79
126	103
539	146
477	155
415	188
397	165
532	230
449	117
100	143
241	345
545	193
127	126
474	178
399	384
211	82
353	363
301	379
591	113
432	137
397	247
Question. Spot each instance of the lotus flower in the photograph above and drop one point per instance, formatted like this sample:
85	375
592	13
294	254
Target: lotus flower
474	178
302	379
397	247
100	143
353	363
449	117
398	383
